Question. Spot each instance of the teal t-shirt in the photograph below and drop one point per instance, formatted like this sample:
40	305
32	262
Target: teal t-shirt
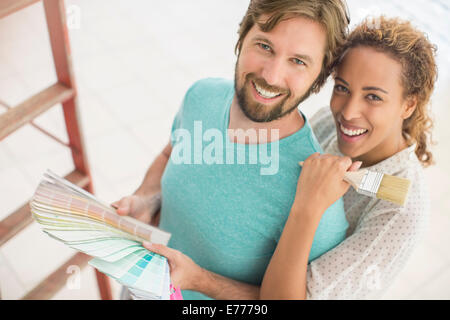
226	211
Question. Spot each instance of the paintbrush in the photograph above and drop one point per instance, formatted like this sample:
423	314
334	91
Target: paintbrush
378	185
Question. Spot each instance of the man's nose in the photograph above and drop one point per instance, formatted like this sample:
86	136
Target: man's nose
273	72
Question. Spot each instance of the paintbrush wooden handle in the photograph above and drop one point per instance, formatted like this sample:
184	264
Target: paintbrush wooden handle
352	177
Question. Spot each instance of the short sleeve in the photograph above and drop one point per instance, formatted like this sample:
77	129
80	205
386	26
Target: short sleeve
176	124
181	113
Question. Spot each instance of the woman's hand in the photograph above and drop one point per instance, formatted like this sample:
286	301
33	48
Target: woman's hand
321	182
184	272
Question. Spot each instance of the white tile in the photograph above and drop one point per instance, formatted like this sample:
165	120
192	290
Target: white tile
39	78
117	155
10	286
15	190
129	185
13	90
59	162
29	144
153	133
33	255
422	266
131	103
438	235
104	71
94	118
23	25
104	189
8	69
53	122
84	44
401	289
6	158
436	288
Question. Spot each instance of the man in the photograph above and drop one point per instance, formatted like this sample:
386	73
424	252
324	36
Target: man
226	216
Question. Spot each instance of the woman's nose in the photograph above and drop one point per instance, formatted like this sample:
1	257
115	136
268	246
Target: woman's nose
351	109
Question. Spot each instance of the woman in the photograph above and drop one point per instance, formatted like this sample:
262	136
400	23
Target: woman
378	118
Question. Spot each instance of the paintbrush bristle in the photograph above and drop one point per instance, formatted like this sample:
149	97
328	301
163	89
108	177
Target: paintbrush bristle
394	189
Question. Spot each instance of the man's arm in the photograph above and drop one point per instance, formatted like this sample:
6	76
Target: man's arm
145	202
218	287
209	283
152	181
187	275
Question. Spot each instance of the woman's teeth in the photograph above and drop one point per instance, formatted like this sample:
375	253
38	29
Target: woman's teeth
264	93
352	133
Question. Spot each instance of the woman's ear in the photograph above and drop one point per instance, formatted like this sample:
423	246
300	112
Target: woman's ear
409	107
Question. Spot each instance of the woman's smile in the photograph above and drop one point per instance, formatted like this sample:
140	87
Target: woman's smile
349	133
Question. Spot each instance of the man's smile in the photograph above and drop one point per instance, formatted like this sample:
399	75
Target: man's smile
264	95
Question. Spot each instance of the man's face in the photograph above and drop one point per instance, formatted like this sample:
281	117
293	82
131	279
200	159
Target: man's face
276	69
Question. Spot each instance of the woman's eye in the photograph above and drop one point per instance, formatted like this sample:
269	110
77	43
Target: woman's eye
340	88
374	97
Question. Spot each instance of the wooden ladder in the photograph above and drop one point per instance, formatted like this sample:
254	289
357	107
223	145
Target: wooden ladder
64	92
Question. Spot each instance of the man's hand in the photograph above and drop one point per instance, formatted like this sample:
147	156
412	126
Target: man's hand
184	272
138	207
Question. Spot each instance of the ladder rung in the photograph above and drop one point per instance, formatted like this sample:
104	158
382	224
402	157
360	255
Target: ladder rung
10	6
56	280
21	218
18	116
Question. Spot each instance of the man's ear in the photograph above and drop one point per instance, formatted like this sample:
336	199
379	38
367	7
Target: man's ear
409	107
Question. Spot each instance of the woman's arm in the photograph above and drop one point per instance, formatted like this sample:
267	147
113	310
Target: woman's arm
319	186
285	277
366	263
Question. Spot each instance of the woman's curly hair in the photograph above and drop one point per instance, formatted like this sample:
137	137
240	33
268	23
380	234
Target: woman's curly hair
416	54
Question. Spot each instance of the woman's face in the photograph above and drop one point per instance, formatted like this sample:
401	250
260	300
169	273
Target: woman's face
368	105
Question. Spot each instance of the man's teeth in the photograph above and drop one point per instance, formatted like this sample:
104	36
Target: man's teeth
349	132
266	94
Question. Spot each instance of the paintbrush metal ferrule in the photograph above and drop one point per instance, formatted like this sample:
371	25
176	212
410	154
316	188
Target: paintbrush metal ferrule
370	183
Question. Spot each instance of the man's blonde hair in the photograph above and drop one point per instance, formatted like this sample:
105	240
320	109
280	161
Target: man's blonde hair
332	14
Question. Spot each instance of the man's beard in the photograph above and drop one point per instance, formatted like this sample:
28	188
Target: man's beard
259	112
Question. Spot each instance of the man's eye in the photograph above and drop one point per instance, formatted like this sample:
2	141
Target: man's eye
374	97
299	62
264	46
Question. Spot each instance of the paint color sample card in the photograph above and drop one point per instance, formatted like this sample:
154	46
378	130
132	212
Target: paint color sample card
76	218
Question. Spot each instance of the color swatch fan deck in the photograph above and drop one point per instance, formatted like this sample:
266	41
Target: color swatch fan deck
75	217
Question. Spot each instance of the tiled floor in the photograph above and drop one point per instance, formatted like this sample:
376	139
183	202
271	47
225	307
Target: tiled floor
133	62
